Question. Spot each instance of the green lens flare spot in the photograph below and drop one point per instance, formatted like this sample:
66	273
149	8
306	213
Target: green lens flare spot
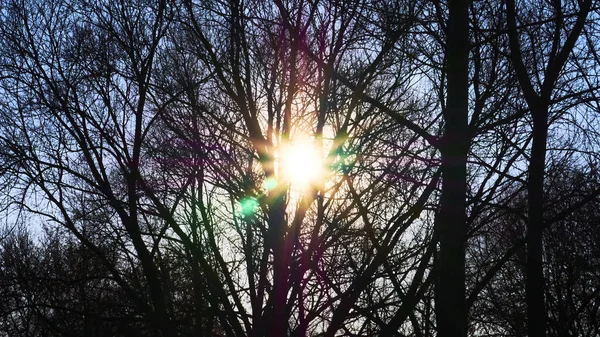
270	184
248	206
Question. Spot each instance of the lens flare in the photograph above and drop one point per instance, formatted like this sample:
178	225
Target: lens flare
302	163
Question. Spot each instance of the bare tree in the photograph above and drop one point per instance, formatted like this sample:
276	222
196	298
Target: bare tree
538	92
155	141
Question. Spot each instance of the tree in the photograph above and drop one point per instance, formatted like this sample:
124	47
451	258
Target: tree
539	97
163	146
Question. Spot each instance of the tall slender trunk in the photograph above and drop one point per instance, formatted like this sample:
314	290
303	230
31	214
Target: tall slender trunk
150	270
536	314
278	325
451	309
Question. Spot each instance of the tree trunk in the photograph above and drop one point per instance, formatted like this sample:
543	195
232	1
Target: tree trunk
451	310
278	324
536	314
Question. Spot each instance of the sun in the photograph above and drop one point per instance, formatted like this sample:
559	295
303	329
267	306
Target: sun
302	163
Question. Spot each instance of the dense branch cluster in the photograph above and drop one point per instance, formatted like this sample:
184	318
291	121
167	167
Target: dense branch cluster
145	193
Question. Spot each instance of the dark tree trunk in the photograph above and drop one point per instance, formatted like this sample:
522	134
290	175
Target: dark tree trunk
451	310
536	314
276	319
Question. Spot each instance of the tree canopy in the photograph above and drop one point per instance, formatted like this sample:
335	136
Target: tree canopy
299	168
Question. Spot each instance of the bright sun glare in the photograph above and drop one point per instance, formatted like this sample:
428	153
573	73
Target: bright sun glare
302	163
